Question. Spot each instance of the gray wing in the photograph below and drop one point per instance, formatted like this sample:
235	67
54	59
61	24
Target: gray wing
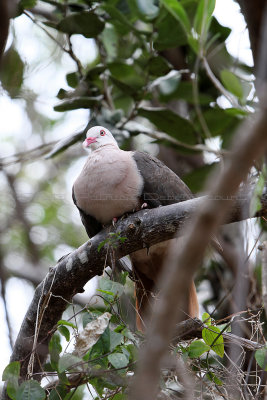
92	226
161	185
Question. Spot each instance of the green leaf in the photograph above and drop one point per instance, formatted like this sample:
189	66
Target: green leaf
213	378
23	4
193	43
158	66
169	33
236	112
11	73
62	94
66	323
58	393
106	292
115	339
261	358
119	20
11	374
27	3
106	343
217	29
133	351
197	348
110	289
206	318
110	39
255	204
65	332
197	178
67	361
12	371
127	333
128	74
167	85
72	79
173	88
78	102
30	390
203	16
147	9
212	337
219	121
54	349
101	244
169	122
177	10
119	396
124	88
85	23
75	394
89	316
224	327
118	360
232	83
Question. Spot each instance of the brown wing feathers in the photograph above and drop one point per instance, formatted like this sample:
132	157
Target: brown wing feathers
161	187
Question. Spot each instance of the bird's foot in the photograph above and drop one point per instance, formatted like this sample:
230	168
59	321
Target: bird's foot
114	221
144	205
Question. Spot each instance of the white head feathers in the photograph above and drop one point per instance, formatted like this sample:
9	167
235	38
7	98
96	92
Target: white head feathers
98	136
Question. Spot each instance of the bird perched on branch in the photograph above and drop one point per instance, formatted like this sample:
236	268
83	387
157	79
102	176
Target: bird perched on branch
114	182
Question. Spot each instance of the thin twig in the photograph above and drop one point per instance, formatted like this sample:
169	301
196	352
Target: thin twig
164	136
69	51
74	57
28	155
39	24
219	86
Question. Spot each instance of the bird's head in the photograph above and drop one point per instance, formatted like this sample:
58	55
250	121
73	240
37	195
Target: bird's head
97	137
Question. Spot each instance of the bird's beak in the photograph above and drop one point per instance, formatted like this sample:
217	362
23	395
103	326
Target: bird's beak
89	141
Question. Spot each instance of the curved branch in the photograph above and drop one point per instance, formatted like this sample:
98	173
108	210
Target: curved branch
142	229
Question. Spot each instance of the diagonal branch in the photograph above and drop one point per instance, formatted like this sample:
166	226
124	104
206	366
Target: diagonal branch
142	229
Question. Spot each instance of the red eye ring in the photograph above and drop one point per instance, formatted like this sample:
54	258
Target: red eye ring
102	133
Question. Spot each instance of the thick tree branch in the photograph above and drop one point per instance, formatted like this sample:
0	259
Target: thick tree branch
68	277
253	13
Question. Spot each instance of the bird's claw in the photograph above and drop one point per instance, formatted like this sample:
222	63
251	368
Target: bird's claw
114	221
144	205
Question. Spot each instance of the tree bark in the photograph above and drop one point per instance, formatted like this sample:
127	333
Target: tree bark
253	12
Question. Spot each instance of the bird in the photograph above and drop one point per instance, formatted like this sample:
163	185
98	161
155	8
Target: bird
114	182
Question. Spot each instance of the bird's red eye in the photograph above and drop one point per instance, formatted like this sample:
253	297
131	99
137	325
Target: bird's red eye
102	133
